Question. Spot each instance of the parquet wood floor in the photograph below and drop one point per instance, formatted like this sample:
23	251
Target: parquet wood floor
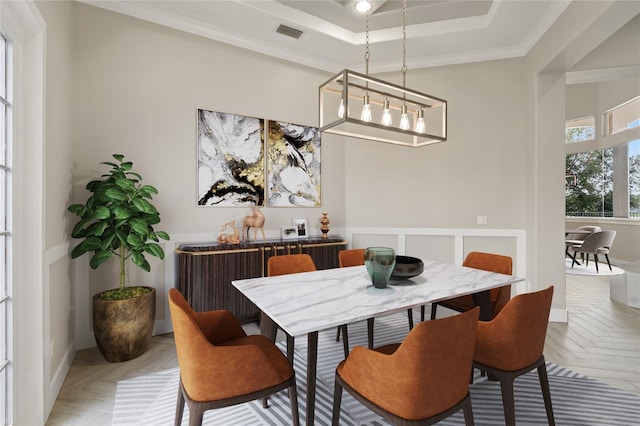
601	340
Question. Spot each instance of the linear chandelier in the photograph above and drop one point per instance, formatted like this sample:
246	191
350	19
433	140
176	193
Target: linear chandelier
357	105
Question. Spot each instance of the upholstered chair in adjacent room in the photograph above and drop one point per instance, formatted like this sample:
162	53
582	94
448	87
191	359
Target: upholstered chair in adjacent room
499	296
220	365
511	345
576	239
420	381
595	244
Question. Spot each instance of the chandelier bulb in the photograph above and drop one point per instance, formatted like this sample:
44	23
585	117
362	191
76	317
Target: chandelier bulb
366	109
386	113
420	126
341	109
404	119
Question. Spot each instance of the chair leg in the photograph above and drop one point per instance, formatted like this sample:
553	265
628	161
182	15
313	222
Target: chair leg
508	401
196	413
293	398
422	308
179	406
608	263
370	332
337	401
434	307
338	334
573	258
595	257
468	412
410	315
345	340
546	394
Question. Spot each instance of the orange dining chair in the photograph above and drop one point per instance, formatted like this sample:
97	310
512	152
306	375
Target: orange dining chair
511	345
423	380
292	264
499	296
355	257
220	365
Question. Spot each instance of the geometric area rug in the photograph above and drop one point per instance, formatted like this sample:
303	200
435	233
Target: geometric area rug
577	400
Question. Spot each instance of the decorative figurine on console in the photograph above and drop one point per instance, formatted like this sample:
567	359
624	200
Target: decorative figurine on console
324	225
256	221
225	237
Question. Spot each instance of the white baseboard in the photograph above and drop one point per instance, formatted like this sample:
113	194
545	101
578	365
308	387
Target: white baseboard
559	315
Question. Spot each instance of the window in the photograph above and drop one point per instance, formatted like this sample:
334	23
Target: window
605	182
622	117
581	129
5	225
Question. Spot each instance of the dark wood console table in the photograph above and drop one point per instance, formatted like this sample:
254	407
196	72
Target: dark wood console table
205	270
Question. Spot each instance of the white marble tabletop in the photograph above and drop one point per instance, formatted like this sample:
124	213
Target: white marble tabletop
312	301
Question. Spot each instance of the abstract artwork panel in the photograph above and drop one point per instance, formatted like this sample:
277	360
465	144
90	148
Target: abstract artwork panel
230	159
293	165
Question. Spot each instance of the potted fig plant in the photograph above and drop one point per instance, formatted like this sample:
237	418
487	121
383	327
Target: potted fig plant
117	220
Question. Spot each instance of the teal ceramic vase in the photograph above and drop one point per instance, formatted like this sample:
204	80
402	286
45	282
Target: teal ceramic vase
380	262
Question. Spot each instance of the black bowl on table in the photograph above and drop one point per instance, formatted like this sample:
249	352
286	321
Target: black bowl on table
407	267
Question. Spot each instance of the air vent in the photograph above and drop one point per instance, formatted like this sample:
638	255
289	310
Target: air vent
288	31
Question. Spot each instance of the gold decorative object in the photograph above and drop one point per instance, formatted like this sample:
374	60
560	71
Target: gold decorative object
225	237
324	225
256	221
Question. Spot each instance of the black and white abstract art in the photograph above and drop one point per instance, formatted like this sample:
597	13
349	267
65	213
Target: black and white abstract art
293	165
230	160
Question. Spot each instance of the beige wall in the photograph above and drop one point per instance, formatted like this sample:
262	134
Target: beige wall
478	171
138	86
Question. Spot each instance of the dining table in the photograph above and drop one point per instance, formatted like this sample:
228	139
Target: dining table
305	303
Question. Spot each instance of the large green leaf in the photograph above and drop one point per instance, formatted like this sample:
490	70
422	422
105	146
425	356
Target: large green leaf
138	259
148	190
155	250
89	244
79	230
163	235
143	205
134	240
126	184
140	227
101	226
99	258
107	240
116	194
122	213
77	209
101	213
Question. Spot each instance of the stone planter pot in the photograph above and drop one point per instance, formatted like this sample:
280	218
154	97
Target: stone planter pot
123	328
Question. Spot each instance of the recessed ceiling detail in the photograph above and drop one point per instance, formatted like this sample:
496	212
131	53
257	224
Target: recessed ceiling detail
439	32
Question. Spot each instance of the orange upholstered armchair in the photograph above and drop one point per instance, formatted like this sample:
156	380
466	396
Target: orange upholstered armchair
511	345
425	379
220	365
499	296
355	257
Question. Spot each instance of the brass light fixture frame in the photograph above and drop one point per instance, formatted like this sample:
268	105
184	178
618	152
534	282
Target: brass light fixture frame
350	87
